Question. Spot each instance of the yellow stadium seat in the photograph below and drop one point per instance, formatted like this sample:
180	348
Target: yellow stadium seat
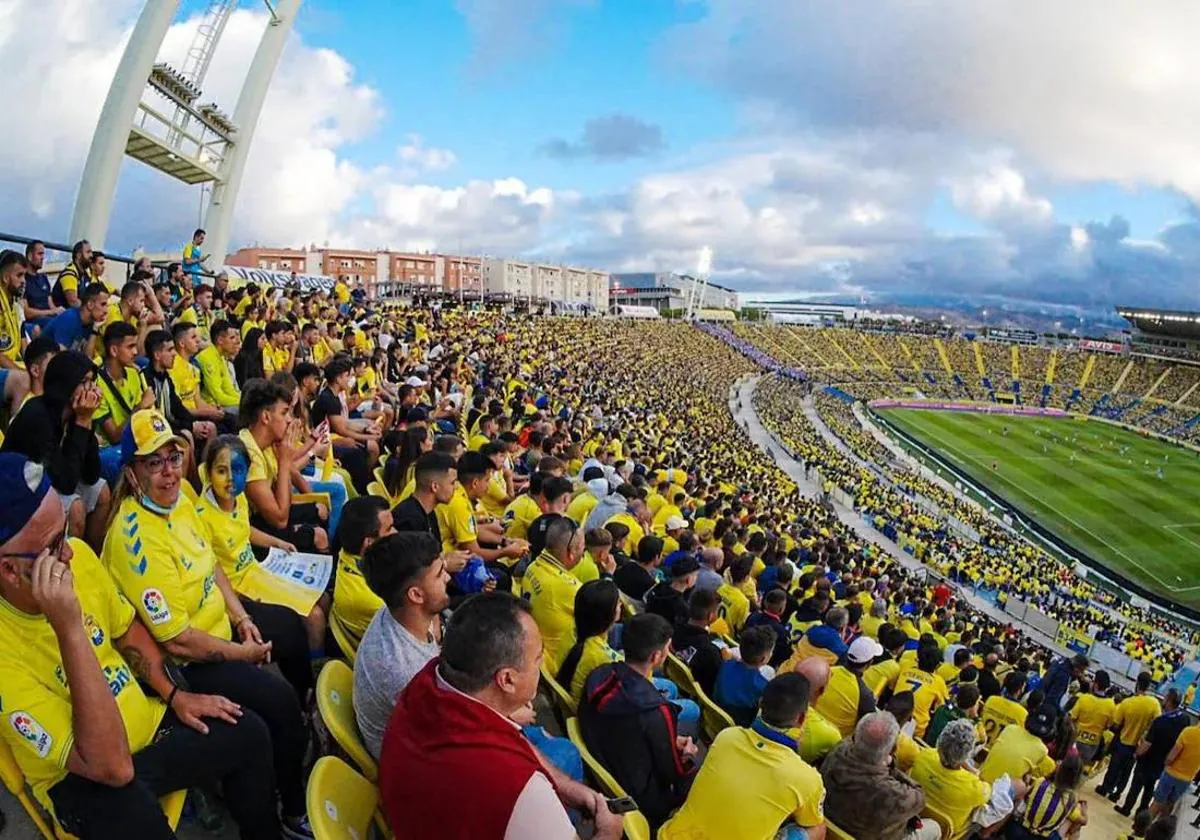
712	717
835	833
637	827
14	781
608	785
944	822
346	640
377	474
376	488
341	803
335	695
565	706
311	499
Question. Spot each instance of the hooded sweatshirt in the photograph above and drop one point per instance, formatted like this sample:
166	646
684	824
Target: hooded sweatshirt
605	509
630	728
68	451
450	767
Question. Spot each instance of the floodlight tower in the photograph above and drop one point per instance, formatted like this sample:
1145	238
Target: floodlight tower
195	144
699	283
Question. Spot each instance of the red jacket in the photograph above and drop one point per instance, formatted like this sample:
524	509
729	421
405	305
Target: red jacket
450	767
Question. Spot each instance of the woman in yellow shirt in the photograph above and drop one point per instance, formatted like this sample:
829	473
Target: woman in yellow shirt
159	554
597	608
296	638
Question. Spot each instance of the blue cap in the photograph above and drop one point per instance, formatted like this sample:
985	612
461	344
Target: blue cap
23	485
542	401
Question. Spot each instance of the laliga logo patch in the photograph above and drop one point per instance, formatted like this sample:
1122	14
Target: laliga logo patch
29	729
156	606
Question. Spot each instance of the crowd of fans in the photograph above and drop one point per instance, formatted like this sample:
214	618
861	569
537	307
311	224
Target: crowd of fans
509	502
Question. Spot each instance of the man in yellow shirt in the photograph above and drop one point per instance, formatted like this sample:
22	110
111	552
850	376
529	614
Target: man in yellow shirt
218	384
14	380
546	494
846	699
1093	713
1183	763
93	746
550	588
1004	708
364	520
753	782
279	354
950	785
457	523
200	314
1134	716
1021	750
186	376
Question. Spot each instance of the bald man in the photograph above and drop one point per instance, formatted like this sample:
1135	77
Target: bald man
710	561
818	736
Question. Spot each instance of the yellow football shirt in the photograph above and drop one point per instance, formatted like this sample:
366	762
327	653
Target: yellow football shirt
130	390
519	515
229	533
636	533
956	793
493	498
1187	764
818	736
1092	715
596	652
581	507
166	568
740	760
734	606
264	466
10	328
838	704
186	378
456	521
37	700
353	601
1135	714
1016	752
998	712
550	590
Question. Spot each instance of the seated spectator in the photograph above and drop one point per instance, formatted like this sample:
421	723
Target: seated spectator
94	748
636	579
865	795
550	588
597	608
771	615
694	645
735	605
753	784
56	431
1004	708
123	390
455	732
669	598
269	432
295	639
818	736
824	639
881	676
711	563
597	558
1053	807
218	383
1021	750
632	729
900	706
162	562
847	699
364	521
964	704
944	774
741	681
406	572
929	690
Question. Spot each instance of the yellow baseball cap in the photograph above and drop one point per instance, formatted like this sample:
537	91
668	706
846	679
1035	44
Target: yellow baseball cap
148	431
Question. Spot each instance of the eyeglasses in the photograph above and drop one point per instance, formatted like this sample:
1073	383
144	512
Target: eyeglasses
55	547
157	463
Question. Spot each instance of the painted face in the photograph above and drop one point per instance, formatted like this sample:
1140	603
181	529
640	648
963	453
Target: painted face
229	472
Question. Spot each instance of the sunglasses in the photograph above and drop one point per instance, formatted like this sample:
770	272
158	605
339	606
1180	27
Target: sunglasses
55	548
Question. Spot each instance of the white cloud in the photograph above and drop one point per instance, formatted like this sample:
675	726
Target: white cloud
998	192
424	158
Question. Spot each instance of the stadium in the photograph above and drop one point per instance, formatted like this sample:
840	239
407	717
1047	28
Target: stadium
344	543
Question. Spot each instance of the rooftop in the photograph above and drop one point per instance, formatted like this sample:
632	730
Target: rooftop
1175	323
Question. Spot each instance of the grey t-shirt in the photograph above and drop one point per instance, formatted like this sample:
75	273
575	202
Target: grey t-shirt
388	658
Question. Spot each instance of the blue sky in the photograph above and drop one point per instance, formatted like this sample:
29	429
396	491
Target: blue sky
1034	154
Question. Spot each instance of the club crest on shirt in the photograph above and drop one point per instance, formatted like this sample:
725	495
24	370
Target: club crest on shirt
93	630
29	729
5	341
156	606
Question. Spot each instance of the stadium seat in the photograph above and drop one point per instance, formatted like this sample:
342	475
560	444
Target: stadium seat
376	488
341	803
564	705
712	717
944	822
835	833
335	694
14	781
344	638
608	785
637	827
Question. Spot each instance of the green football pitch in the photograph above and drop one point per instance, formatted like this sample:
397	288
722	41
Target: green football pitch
1131	503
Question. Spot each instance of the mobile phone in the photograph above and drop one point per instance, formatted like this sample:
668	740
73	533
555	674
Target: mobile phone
622	805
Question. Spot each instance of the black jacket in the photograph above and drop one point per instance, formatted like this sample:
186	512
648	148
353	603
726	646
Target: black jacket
630	728
670	603
694	647
633	580
783	639
69	452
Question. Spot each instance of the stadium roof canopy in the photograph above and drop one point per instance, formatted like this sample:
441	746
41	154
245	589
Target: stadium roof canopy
1176	323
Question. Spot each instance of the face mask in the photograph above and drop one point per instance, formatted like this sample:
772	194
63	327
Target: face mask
154	507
